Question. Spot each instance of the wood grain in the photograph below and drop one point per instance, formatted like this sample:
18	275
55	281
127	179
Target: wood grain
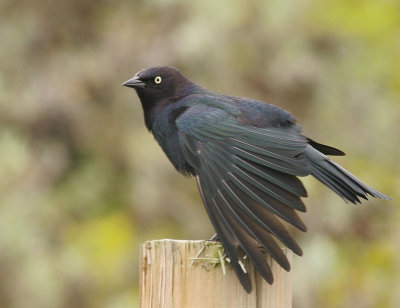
169	280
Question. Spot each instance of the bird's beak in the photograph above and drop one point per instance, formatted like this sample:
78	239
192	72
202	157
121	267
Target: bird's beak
134	82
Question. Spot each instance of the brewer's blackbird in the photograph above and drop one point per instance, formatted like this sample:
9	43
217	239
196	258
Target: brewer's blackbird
246	156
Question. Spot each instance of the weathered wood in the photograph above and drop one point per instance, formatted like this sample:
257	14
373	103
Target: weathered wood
167	279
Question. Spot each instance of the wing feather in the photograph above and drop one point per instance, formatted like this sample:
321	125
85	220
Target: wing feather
228	239
247	179
251	204
248	244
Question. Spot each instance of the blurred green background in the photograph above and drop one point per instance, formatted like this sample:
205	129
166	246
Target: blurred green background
82	183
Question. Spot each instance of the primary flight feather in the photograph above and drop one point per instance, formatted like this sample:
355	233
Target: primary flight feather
246	156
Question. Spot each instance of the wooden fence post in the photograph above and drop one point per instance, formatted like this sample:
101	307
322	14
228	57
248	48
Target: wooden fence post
169	279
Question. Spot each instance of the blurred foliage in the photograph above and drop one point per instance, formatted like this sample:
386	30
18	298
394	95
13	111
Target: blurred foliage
82	183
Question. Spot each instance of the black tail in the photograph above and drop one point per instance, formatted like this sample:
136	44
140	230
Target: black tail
337	178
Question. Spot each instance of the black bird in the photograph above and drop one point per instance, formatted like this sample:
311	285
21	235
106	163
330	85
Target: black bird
246	156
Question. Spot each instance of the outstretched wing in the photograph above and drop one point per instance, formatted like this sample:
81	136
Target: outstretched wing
247	179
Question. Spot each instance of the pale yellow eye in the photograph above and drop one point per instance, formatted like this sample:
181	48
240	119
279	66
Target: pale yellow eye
157	80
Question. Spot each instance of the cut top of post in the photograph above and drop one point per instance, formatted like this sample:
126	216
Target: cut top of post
174	274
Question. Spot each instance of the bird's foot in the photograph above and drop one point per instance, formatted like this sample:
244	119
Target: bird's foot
215	238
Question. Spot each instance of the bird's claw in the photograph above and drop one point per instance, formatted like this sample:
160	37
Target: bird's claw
215	238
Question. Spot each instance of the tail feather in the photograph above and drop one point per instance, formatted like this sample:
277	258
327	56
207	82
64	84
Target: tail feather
337	178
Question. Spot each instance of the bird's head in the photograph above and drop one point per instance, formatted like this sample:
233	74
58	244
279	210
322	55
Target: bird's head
159	84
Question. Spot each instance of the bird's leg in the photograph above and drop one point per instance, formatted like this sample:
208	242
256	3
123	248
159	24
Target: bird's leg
215	238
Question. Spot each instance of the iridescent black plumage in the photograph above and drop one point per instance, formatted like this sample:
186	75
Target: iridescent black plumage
246	156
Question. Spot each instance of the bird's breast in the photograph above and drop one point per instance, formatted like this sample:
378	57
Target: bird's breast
167	135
